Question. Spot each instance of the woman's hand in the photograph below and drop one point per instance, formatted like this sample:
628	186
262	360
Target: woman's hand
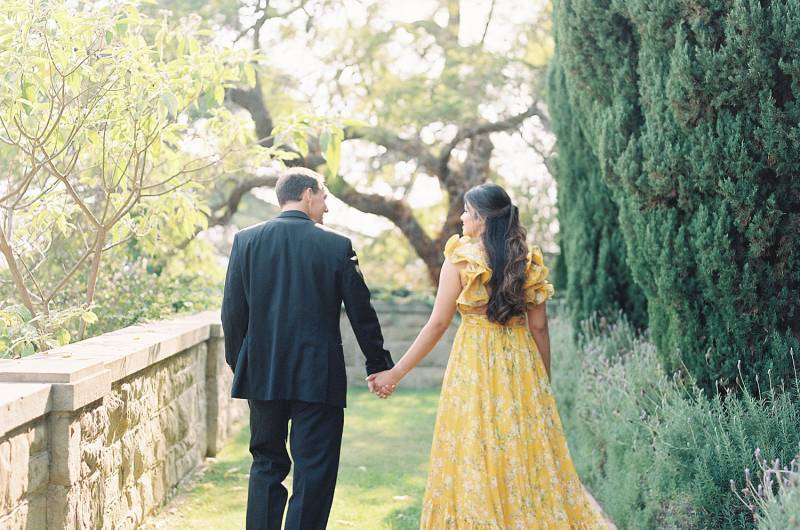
384	383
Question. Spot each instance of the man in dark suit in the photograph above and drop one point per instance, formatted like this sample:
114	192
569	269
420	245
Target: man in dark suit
286	281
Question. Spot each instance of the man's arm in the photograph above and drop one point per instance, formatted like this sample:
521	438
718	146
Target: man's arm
361	314
235	310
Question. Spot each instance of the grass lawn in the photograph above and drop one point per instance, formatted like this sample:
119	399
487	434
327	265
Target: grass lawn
381	477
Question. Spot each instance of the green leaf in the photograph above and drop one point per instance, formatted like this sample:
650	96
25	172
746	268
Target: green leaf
89	317
29	93
155	149
23	312
250	74
333	153
62	224
299	138
23	349
355	123
63	337
171	102
219	94
324	140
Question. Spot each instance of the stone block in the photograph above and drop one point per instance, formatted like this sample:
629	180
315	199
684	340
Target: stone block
134	504
171	477
112	459
47	368
141	458
113	511
92	452
116	411
158	483
37	512
21	403
111	493
5	476
133	413
95	421
38	436
65	450
74	395
149	503
113	448
149	400
15	519
90	507
38	471
20	459
62	507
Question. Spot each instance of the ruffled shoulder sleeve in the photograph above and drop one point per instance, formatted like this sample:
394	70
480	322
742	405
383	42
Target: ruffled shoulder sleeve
465	250
537	288
452	247
475	273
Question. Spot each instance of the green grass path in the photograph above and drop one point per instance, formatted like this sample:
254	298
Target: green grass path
381	477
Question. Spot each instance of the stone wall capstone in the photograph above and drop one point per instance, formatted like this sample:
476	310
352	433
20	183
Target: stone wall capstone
99	433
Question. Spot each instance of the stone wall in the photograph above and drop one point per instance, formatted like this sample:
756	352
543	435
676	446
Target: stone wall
99	433
400	324
24	475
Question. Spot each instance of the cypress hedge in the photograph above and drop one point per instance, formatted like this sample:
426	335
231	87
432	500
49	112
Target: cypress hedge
691	109
593	255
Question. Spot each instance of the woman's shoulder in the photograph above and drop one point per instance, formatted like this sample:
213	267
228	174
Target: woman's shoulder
463	249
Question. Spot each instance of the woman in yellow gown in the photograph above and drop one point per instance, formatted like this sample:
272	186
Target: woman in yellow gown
499	460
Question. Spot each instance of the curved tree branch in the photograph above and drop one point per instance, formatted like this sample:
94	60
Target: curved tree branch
231	205
400	213
411	147
512	122
252	101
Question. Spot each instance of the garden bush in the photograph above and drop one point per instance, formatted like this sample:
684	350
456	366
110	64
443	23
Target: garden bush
651	446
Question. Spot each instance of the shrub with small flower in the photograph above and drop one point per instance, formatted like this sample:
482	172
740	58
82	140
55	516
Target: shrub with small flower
657	452
775	498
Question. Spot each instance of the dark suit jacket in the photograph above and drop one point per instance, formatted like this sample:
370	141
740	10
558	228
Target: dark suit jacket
286	281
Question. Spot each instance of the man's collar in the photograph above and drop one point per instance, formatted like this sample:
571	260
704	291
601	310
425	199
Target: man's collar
294	213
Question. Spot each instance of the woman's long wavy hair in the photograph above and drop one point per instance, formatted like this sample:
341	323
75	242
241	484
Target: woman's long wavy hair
504	240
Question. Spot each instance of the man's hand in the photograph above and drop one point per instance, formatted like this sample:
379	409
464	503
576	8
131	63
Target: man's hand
383	383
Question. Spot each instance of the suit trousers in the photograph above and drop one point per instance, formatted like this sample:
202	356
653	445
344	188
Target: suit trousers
315	440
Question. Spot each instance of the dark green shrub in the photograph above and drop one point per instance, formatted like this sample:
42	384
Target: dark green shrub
691	109
593	255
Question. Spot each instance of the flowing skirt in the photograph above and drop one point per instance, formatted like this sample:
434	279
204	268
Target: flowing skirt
499	459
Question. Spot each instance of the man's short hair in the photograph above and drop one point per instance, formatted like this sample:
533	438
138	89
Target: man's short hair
294	182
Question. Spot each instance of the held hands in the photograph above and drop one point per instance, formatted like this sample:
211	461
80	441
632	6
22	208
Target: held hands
383	383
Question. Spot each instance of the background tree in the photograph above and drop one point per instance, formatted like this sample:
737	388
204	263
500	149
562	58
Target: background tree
691	109
95	107
428	97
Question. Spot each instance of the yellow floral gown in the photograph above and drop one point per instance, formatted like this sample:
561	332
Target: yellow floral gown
499	460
